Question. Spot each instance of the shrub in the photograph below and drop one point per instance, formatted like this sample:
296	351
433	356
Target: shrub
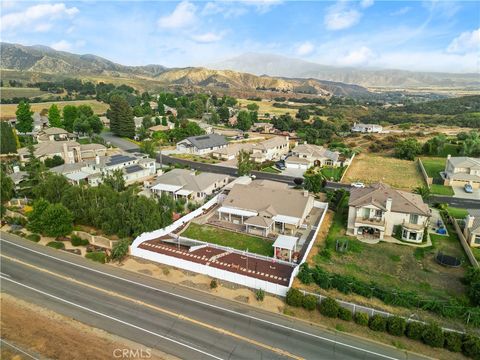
329	307
377	323
213	284
361	318
78	241
471	346
294	297
414	330
56	244
396	325
453	341
98	256
345	314
260	294
33	237
433	335
309	302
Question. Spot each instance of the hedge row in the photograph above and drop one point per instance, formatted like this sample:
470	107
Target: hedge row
429	334
391	296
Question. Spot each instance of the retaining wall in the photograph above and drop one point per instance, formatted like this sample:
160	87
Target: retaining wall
427	179
96	240
465	245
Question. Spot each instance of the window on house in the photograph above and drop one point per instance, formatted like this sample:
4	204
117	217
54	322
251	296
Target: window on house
405	234
366	212
413	219
477	239
378	213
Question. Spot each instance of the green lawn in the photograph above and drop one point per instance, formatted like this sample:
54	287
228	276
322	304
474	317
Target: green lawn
441	190
271	169
232	239
332	172
433	166
457	213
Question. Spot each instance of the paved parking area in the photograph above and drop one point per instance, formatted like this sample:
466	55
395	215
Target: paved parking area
293	172
460	193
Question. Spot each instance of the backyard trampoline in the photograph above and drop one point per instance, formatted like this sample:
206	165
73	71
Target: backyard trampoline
447	260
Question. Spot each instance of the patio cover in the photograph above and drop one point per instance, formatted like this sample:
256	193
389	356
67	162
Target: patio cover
285	242
286	219
183	192
239	212
166	187
76	176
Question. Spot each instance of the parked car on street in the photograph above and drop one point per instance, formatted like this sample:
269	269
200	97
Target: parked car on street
357	184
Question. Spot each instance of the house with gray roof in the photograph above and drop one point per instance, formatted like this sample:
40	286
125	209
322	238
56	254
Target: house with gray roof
54	134
462	170
379	210
472	228
187	184
203	144
306	155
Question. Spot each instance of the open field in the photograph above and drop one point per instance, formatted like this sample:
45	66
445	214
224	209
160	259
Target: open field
232	239
11	92
8	110
369	168
266	106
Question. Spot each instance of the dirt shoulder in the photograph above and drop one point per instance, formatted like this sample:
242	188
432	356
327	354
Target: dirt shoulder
39	331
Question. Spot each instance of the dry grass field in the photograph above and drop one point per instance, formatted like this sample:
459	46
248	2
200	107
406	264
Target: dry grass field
8	110
10	92
266	106
369	168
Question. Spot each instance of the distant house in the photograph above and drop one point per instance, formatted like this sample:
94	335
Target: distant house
472	228
134	169
54	134
39	122
231	151
367	128
18	176
462	170
376	211
305	156
138	120
269	150
69	151
161	127
182	183
265	207
263	127
170	110
203	144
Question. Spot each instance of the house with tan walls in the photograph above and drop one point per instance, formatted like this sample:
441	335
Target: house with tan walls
462	170
376	211
471	230
271	149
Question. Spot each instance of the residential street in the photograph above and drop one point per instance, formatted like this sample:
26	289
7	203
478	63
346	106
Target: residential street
180	321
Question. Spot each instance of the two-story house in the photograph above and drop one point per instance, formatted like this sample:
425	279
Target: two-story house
378	210
270	149
54	134
462	170
70	151
472	228
203	144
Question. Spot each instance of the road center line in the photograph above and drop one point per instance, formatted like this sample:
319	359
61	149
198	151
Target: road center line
111	318
162	310
336	342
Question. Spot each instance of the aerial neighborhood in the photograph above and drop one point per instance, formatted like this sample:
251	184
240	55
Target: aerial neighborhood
292	200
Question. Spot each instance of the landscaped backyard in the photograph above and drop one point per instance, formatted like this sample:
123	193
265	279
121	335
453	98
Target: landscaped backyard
334	173
228	238
433	166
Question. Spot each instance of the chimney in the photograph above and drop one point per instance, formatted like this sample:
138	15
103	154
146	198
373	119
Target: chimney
65	154
388	204
97	160
16	169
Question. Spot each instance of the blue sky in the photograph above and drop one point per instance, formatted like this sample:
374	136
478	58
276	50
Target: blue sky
428	35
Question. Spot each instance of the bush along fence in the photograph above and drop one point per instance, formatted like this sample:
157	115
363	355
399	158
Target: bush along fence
430	334
390	296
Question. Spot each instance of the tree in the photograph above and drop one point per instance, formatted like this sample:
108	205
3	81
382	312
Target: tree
243	120
24	117
69	116
7	189
164	121
407	149
245	165
95	124
115	180
35	216
81	125
223	113
34	167
52	188
54	118
314	181
8	144
56	220
253	107
121	117
423	191
302	114
120	250
56	160
149	147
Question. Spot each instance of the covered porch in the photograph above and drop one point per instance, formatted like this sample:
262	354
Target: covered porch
177	192
258	225
284	247
285	224
236	216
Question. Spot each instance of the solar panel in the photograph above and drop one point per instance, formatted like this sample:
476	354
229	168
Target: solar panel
133	168
118	159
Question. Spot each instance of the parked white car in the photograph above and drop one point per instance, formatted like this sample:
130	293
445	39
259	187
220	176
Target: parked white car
357	184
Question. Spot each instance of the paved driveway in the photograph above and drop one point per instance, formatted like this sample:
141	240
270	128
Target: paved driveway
293	172
460	193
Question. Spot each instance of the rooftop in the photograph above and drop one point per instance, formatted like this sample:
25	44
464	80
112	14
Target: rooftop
188	179
207	141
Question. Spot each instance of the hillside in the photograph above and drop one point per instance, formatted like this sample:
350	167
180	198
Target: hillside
36	63
275	65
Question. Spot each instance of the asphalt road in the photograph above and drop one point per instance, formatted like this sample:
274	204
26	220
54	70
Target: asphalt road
177	320
131	147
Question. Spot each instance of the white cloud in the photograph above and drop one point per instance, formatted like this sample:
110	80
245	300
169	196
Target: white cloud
401	11
34	13
208	37
305	48
42	27
62	45
183	16
263	6
466	42
366	3
358	57
341	16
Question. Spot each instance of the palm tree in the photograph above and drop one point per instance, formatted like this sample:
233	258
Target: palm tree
423	191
